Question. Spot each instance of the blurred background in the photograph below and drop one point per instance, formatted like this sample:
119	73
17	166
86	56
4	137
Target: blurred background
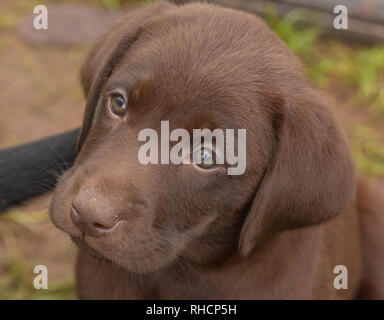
40	95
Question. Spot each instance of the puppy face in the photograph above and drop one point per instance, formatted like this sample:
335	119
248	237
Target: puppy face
197	66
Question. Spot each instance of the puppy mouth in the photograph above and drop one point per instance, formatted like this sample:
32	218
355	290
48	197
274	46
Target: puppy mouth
92	252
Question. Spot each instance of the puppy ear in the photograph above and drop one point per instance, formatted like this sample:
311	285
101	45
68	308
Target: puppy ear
107	53
311	175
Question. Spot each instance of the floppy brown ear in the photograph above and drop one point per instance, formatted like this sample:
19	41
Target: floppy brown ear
310	178
106	54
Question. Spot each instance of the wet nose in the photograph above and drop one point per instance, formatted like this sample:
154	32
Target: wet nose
92	214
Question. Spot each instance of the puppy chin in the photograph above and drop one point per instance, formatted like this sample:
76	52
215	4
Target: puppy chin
140	265
142	261
92	252
147	265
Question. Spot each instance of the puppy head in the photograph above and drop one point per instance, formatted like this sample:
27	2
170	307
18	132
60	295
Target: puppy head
198	66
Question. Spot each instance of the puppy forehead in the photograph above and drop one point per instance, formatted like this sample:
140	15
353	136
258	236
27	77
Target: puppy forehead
204	96
193	105
175	66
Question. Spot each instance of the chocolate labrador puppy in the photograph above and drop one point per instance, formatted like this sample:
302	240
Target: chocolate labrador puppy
191	231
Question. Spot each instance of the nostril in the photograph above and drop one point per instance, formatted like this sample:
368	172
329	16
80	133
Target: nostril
101	226
77	220
75	216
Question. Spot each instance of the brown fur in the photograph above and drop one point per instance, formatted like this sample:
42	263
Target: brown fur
277	231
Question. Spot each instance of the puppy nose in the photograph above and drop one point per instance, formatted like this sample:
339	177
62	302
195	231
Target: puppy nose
91	214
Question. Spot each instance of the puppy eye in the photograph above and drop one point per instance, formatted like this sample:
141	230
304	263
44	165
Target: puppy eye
117	105
204	158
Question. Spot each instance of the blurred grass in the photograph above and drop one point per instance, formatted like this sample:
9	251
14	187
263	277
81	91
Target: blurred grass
301	40
12	12
363	70
16	271
368	150
16	279
359	69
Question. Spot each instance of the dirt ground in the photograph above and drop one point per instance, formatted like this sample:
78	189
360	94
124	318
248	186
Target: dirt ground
40	95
